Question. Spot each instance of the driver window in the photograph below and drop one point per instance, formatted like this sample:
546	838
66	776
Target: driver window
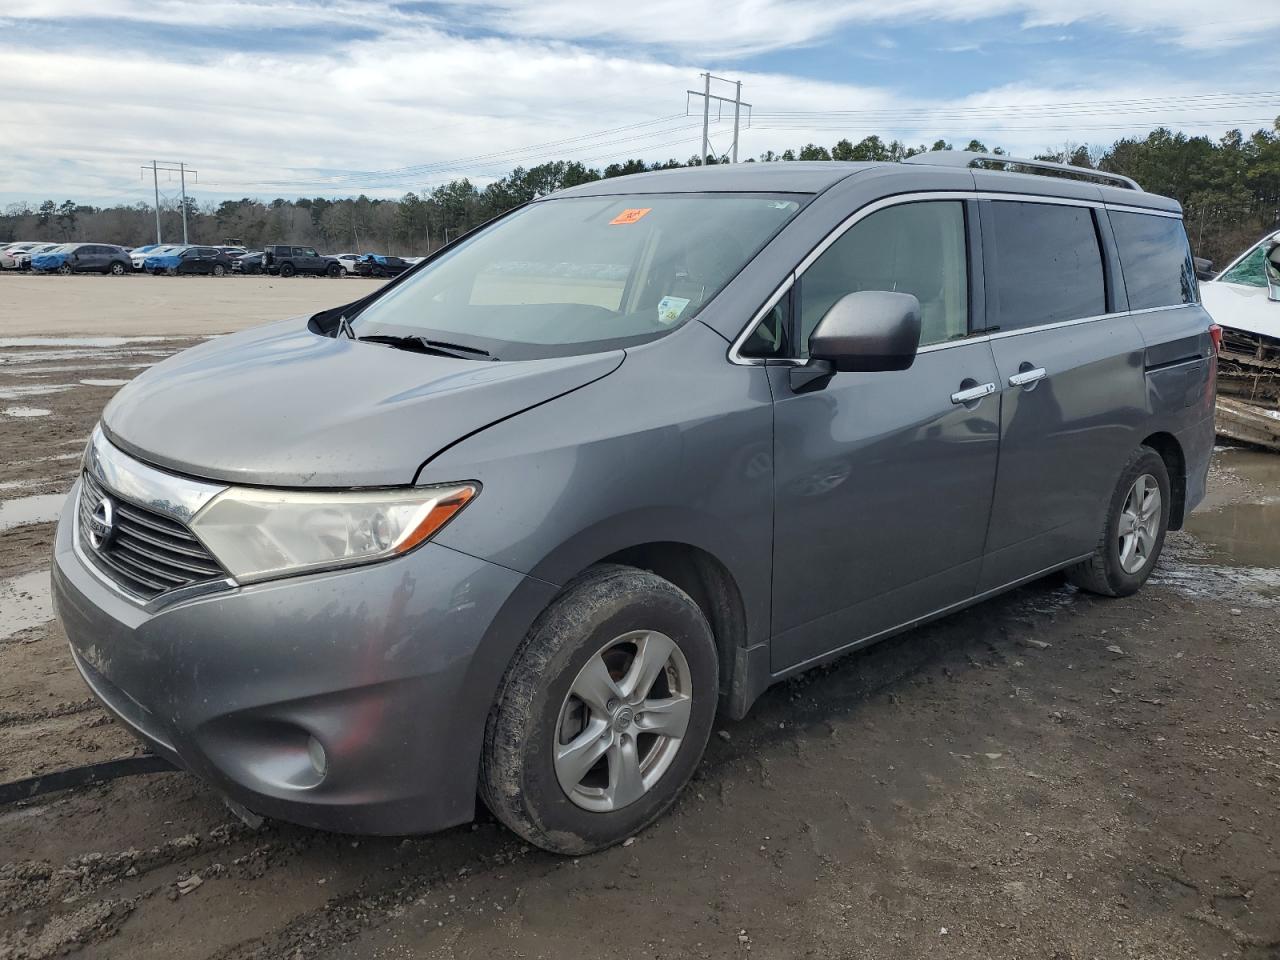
917	248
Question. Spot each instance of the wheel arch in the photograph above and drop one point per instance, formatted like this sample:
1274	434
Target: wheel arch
1175	461
710	585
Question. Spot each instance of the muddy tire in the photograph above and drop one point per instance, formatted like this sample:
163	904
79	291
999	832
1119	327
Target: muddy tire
604	712
1137	520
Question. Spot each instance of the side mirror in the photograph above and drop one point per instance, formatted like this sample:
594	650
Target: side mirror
1204	268
872	330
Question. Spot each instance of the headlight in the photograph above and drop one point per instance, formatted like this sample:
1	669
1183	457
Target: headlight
258	534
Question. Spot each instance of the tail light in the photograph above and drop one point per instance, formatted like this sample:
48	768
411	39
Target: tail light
1215	333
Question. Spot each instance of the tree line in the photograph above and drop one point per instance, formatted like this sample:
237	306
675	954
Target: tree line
1229	188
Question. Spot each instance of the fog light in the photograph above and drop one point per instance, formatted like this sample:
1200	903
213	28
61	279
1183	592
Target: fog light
315	751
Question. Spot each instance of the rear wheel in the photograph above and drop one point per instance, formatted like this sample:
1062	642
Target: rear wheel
287	270
1133	536
604	713
65	269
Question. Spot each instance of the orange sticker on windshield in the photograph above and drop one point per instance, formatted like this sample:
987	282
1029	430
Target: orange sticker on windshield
631	215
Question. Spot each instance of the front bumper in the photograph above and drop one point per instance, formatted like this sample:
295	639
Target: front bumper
390	667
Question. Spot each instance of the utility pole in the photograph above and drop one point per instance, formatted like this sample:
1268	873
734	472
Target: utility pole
181	170
155	182
707	97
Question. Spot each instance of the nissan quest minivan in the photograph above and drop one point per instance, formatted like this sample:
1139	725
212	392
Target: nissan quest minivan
520	522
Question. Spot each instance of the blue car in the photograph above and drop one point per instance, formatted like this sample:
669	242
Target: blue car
83	258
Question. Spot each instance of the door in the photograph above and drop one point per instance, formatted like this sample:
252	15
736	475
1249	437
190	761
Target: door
883	481
1071	374
307	260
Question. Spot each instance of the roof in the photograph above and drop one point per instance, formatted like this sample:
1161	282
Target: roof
790	176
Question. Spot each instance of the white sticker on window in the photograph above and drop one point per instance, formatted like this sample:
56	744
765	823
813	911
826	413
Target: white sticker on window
670	308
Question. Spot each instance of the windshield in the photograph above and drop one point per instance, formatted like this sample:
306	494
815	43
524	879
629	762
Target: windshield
581	273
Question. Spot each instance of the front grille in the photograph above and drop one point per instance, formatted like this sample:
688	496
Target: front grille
147	553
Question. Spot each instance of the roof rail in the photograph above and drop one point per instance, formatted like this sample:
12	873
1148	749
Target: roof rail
965	158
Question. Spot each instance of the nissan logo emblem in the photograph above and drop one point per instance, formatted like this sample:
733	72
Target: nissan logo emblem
101	523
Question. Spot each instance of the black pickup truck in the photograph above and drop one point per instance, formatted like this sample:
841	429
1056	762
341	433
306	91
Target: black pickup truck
286	261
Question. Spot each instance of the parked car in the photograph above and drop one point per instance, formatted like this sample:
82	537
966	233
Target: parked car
347	262
138	255
378	265
83	258
247	263
522	521
22	258
1246	295
286	261
188	260
9	253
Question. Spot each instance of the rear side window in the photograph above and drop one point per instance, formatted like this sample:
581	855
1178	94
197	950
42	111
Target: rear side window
1156	259
916	248
1043	264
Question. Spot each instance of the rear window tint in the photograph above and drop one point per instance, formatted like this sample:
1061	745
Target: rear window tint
1043	264
1156	259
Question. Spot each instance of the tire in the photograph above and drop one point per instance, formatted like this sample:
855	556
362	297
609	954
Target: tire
622	613
333	270
287	270
379	272
343	272
117	269
219	270
65	270
1127	552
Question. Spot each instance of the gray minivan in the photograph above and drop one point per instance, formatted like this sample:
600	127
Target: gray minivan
521	521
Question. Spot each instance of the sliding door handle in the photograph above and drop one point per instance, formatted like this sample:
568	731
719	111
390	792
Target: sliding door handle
973	393
1025	377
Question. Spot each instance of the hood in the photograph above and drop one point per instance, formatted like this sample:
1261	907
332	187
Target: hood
283	406
1241	307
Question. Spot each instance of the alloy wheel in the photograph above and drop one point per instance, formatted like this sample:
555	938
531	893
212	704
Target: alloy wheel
621	723
1139	523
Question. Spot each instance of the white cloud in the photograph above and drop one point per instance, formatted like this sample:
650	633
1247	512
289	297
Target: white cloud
79	119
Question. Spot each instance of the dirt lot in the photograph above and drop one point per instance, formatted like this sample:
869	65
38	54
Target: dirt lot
1048	775
139	304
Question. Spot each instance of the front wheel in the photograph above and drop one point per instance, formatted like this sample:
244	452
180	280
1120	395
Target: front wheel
604	713
219	270
117	269
333	270
1137	520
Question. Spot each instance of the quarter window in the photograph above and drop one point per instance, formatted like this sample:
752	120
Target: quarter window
1043	264
916	248
1156	258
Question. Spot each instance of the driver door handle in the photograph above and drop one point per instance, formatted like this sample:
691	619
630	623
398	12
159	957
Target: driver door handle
1026	377
973	393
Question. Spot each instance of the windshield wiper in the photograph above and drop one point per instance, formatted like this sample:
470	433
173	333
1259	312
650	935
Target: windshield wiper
438	348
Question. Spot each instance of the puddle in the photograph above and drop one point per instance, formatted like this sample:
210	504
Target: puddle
33	390
26	412
24	602
1233	549
79	341
104	383
43	508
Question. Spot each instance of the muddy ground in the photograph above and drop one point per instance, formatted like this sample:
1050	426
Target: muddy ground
1048	775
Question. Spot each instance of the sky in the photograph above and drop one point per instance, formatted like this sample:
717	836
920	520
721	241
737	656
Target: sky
342	97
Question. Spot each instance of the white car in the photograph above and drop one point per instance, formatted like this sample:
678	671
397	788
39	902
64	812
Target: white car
9	253
139	254
1246	295
347	262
